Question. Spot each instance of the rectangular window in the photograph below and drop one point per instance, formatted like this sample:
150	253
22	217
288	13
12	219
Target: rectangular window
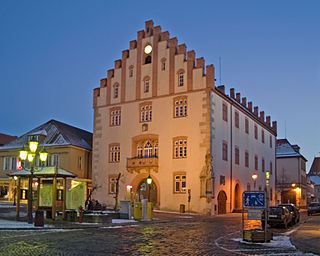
236	155
225	151
146	85
181	79
236	119
10	163
225	112
270	167
270	141
80	163
55	160
246	159
256	162
180	147
247	125
262	135
180	183
255	132
180	107
145	112
262	165
222	180
114	153
115	116
112	184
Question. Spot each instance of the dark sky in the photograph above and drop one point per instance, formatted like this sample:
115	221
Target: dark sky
54	53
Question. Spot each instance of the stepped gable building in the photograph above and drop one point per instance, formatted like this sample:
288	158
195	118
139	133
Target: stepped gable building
159	114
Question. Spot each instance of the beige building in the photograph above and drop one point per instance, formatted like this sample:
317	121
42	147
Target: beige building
159	114
68	147
291	174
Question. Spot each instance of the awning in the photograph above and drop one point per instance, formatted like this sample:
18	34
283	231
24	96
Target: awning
44	172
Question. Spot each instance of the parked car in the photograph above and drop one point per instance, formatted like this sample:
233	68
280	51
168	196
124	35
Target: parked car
294	212
278	215
313	207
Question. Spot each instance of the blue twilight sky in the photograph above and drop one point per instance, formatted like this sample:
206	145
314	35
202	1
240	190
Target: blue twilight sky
54	53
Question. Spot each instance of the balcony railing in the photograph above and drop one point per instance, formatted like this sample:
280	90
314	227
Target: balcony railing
137	163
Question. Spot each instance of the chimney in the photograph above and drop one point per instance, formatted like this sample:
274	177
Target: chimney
232	93
221	89
262	116
274	126
244	102
256	111
268	120
238	96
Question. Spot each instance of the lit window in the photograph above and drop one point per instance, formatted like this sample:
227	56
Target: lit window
115	116
145	112
180	147
180	183
180	107
114	153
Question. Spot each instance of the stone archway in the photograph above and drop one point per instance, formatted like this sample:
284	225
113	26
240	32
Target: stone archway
222	202
237	197
147	191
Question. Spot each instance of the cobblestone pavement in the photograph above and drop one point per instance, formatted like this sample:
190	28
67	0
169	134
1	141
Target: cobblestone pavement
181	236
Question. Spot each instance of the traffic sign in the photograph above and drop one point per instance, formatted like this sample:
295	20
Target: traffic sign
253	199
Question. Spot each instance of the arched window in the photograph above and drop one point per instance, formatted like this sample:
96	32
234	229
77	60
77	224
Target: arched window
140	150
116	90
180	77
148	149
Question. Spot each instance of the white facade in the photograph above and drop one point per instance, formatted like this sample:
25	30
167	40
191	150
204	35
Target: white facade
159	114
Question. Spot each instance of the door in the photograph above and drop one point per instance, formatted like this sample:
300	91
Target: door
222	202
147	191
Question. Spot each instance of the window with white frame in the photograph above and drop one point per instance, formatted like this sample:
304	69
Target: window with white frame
180	183
148	148
145	112
115	116
146	85
180	147
114	153
180	106
180	77
10	163
55	160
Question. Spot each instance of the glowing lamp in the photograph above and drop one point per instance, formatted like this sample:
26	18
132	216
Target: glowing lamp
293	185
33	145
129	186
30	157
15	177
254	176
149	179
43	155
23	154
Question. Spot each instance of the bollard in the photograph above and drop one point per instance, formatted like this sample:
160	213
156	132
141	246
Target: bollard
80	214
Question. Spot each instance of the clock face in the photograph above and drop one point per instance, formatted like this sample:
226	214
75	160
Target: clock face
148	49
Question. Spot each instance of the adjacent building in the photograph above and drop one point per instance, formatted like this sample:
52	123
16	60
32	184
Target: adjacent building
314	176
158	114
291	174
68	148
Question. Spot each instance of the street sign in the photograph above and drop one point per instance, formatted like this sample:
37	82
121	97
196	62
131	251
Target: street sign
253	199
254	214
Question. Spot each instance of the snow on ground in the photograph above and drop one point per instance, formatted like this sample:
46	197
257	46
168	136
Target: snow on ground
17	224
122	221
278	241
7	205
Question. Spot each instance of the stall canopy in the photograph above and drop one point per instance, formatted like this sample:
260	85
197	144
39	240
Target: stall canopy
44	172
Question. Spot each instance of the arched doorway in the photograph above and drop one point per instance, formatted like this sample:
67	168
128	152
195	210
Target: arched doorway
147	191
222	202
237	197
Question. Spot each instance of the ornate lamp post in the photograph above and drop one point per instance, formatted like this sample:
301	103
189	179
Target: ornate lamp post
30	154
149	181
15	190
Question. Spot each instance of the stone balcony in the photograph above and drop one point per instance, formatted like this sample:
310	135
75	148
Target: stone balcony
136	164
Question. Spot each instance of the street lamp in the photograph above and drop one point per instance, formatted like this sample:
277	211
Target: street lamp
30	154
254	178
149	181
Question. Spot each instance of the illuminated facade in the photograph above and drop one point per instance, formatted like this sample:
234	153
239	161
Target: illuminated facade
159	113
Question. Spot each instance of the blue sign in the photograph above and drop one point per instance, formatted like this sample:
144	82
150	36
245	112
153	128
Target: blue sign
253	199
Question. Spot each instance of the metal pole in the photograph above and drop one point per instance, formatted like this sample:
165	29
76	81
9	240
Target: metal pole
18	200
30	217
